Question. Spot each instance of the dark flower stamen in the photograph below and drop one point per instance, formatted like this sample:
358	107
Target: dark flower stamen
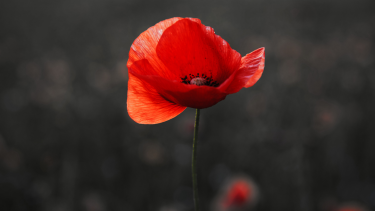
199	80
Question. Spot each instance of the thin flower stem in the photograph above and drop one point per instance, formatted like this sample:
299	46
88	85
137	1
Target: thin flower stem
194	162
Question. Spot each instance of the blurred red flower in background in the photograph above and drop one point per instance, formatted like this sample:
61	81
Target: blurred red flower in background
239	194
351	207
181	63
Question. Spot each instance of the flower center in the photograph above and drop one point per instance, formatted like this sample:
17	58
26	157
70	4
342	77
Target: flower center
199	80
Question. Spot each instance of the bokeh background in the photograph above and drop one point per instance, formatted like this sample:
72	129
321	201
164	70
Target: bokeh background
305	133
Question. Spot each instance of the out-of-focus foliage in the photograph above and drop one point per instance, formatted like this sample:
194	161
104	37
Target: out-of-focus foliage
304	133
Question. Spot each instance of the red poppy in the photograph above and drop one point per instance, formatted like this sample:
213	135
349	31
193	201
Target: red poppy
238	194
351	207
181	63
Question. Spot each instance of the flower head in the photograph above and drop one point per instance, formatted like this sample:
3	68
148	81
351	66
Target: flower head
351	207
181	63
238	194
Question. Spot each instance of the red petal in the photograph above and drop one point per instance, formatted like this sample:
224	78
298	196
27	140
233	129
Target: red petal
189	47
144	47
145	104
250	71
248	60
177	92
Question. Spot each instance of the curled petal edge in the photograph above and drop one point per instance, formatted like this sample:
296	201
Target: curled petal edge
258	73
248	74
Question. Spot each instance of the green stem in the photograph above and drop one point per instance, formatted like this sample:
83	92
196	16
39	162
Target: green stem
194	162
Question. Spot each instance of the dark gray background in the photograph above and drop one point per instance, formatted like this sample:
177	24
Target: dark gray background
304	133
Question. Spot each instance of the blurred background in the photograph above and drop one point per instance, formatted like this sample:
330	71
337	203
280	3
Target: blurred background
305	133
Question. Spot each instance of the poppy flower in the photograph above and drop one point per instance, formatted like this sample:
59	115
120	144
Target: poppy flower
238	194
181	63
351	207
